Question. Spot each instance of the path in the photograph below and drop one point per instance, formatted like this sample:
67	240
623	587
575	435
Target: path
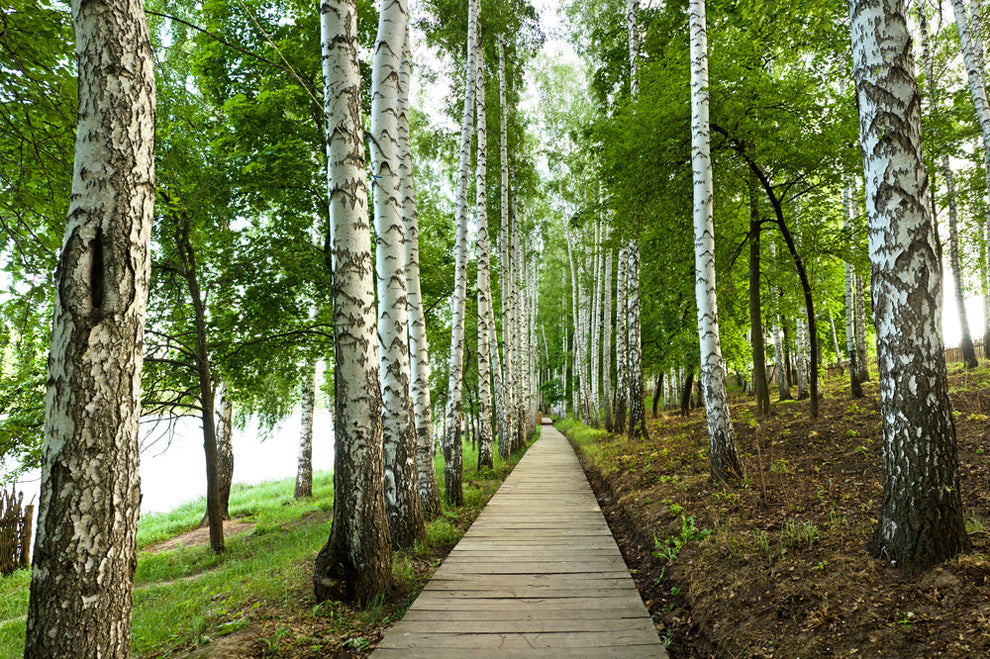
538	574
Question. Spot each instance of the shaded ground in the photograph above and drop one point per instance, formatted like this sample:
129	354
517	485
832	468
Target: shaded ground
784	572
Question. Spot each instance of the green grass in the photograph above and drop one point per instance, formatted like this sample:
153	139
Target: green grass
190	596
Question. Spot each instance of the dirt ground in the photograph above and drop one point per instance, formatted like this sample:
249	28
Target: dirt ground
784	572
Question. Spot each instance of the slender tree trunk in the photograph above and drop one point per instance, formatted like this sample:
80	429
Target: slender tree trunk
657	393
506	427
607	335
864	368
485	321
686	394
783	390
801	355
596	329
968	352
519	339
225	448
419	360
972	56
187	257
852	350
356	563
835	343
724	460
760	386
84	552
304	466
921	519
621	336
452	450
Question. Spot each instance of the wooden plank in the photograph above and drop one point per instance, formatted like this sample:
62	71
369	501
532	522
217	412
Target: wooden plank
537	575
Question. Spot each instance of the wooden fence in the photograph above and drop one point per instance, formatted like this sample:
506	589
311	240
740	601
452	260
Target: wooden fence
15	531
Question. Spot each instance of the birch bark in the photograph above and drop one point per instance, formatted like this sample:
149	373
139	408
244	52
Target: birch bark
969	353
304	466
356	562
607	334
506	426
621	336
722	447
84	553
419	359
452	449
921	518
852	349
225	447
864	368
485	321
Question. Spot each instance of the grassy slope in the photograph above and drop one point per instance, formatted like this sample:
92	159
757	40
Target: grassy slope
188	597
776	565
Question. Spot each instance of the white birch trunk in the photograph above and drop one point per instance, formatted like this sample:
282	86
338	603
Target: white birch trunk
452	449
921	519
485	321
405	516
596	329
419	360
518	339
304	465
861	349
607	334
955	262
621	336
356	562
84	554
852	350
801	353
506	424
722	448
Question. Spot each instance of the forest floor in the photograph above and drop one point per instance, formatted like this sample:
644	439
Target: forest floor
776	566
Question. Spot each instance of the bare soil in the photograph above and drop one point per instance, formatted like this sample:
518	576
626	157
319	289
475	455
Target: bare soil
199	536
784	572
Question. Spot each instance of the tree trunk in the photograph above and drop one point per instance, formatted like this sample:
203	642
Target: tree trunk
852	350
304	466
686	394
972	56
84	553
419	359
864	368
452	449
835	343
506	427
968	352
801	354
760	387
356	562
519	339
725	466
621	335
225	448
405	517
780	360
485	319
187	257
607	336
657	393
921	518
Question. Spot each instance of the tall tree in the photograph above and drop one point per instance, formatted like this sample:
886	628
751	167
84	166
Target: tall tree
419	361
486	320
452	450
637	404
852	349
356	562
724	460
506	424
405	516
84	556
921	516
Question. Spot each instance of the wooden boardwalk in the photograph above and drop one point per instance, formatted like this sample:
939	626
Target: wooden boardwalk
538	574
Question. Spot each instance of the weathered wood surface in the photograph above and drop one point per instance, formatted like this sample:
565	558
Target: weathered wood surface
538	574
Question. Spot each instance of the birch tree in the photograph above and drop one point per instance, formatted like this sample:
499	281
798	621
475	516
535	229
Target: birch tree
398	423
485	319
84	555
637	405
304	465
607	333
921	518
419	361
356	562
505	426
621	335
452	450
722	447
225	446
976	77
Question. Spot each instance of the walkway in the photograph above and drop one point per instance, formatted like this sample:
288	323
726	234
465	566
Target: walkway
538	574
